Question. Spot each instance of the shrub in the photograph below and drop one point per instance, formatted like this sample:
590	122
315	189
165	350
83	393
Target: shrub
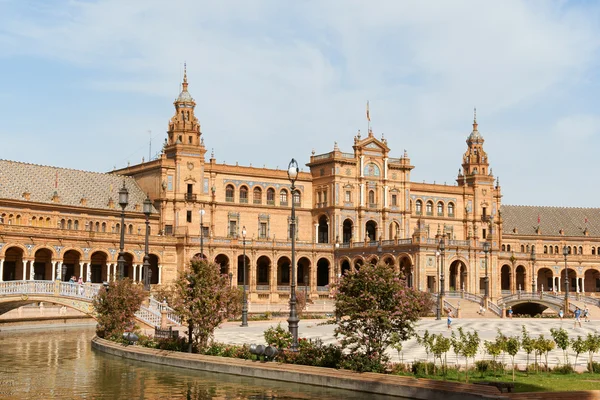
278	337
595	367
421	368
563	369
115	307
486	366
360	362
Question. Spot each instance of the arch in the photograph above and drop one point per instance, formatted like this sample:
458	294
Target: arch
283	271
271	196
545	249
389	260
345	266
303	271
371	230
572	279
283	197
545	279
394	231
505	277
71	264
373	259
243	273
257	195
521	278
128	270
44	247
358	262
429	207
347	228
297	197
42	264
97	266
451	208
591	282
223	261
323	268
458	276
323	230
406	269
13	263
229	193
263	271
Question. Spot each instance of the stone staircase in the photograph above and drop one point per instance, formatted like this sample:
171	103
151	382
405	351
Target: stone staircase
470	309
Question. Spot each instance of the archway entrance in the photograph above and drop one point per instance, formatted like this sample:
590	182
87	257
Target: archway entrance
42	265
544	280
505	278
323	230
263	272
243	273
283	271
153	259
223	261
98	266
347	231
71	261
591	282
13	264
406	270
322	272
521	275
345	266
371	231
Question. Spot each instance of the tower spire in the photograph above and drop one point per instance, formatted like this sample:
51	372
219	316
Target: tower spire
474	118
185	82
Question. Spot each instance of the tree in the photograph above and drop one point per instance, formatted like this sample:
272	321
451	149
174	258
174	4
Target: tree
544	346
469	347
440	346
427	342
512	345
593	346
457	348
493	350
579	346
202	297
376	303
527	344
561	338
116	307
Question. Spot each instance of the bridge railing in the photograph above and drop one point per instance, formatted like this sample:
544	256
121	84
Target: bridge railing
160	306
551	298
493	307
590	300
87	291
148	316
50	288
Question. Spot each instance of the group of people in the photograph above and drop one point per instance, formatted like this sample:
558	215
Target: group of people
79	281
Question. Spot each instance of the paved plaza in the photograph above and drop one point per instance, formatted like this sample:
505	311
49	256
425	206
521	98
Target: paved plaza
487	328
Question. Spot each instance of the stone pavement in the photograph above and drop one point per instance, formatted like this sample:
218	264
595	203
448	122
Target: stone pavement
233	333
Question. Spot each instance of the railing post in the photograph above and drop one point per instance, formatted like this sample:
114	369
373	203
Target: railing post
163	319
503	311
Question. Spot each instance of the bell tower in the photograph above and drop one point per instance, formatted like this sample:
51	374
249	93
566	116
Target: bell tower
475	165
184	128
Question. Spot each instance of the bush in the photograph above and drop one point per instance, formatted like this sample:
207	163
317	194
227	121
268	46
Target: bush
173	344
360	362
313	353
422	368
564	369
278	337
485	366
595	367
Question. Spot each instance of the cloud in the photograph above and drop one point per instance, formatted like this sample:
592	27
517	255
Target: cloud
275	79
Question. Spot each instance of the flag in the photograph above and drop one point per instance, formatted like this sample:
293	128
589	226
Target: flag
368	115
538	219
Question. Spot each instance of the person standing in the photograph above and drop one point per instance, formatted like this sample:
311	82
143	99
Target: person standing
586	314
449	320
561	314
577	316
510	312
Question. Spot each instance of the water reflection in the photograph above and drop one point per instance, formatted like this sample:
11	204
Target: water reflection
61	364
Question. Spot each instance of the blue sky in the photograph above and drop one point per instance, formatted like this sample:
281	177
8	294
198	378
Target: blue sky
83	82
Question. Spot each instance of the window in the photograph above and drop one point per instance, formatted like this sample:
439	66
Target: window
257	195
394	200
117	228
483	233
440	209
229	193
508	247
484	213
262	230
18	220
75	224
270	196
325	198
283	197
232	229
429	208
451	209
103	226
545	249
551	250
170	182
580	250
97	226
296	198
419	207
503	247
243	194
348	196
372	198
168	229
522	248
593	251
188	216
69	224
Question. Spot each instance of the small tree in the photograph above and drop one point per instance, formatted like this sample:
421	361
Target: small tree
512	348
561	338
579	346
376	303
202	297
457	348
116	307
544	346
427	342
593	346
470	346
527	344
440	346
278	337
493	350
397	345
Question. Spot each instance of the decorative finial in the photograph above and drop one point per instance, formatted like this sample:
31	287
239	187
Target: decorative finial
474	115
358	134
405	154
212	153
313	152
184	72
335	146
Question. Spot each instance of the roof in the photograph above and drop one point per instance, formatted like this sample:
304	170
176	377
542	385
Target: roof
550	220
41	182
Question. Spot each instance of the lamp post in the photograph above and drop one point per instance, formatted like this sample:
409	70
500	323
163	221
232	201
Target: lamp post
123	202
486	280
532	269
245	298
202	233
438	310
293	318
442	249
336	269
147	212
565	252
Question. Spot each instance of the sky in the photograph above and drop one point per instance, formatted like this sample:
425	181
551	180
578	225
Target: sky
86	84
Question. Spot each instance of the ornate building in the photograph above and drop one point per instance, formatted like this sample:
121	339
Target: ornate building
352	208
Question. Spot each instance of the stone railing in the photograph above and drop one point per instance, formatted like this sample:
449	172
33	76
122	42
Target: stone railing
85	291
160	306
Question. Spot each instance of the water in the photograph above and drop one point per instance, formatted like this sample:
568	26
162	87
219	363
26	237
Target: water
60	364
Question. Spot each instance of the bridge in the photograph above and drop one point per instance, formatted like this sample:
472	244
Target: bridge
14	294
552	301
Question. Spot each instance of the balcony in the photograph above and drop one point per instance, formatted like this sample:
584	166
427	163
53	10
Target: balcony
191	197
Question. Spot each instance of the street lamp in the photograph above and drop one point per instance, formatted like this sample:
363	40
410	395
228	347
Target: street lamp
532	269
565	252
245	299
438	311
202	233
486	280
147	212
442	291
123	202
336	267
293	318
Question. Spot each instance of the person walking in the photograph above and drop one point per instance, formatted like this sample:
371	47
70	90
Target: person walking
510	312
561	314
577	315
586	314
449	320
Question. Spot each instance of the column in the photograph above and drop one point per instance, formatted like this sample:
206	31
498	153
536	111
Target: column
1	270
134	272
582	283
577	283
160	274
59	270
81	269
362	194
385	168
24	262
558	284
141	273
362	166
89	273
385	195
53	270
31	270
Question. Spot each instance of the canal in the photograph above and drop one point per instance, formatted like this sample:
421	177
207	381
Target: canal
59	363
